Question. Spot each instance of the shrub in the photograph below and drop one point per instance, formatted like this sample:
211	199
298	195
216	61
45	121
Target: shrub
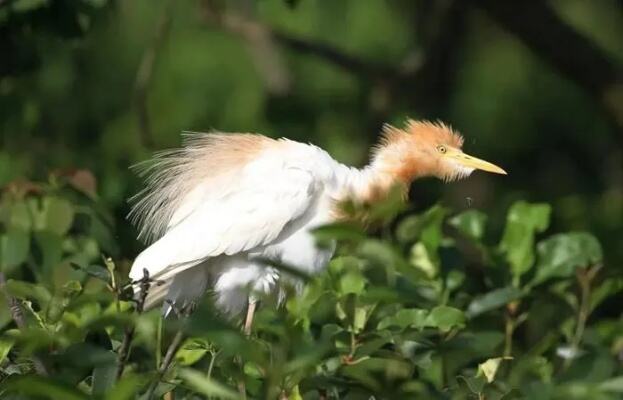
434	306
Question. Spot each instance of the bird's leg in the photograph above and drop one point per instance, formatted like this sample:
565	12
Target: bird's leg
250	312
248	321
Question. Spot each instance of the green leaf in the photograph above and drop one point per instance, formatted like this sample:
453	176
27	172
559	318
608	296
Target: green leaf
352	282
379	252
191	351
19	217
561	254
409	229
360	318
338	231
470	223
423	260
204	385
23	6
490	368
492	300
475	384
51	246
404	318
96	271
87	355
428	227
523	221
27	290
104	378
57	215
609	287
14	247
6	343
432	233
47	388
125	389
445	318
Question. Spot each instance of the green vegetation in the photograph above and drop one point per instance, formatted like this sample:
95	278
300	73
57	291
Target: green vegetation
434	306
482	296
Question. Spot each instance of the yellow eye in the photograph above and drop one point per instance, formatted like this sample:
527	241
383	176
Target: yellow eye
441	149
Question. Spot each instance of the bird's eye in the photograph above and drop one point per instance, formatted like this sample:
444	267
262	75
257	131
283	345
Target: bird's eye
441	149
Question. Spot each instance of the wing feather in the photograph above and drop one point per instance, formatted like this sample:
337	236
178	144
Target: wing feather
270	200
178	180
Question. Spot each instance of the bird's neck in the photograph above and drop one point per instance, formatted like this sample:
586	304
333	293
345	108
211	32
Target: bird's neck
390	169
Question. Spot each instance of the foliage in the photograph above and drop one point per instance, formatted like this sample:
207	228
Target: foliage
434	306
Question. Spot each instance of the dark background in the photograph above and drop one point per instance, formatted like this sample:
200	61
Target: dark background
535	86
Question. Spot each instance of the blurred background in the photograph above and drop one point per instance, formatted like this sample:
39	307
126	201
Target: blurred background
535	86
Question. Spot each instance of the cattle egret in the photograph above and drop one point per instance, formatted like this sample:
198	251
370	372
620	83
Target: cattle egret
220	206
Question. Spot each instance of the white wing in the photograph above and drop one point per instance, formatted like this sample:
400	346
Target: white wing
269	201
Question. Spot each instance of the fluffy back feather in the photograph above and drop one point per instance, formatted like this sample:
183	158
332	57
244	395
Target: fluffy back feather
172	175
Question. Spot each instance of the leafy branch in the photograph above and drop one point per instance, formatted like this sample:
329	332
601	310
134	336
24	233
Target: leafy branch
18	317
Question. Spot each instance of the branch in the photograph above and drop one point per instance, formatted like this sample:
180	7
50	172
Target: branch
335	56
538	26
166	363
124	349
246	27
18	318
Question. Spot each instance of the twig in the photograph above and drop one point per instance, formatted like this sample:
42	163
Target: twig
18	317
166	363
510	323
243	25
145	72
585	278
124	349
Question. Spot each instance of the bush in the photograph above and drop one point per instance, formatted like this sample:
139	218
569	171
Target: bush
431	307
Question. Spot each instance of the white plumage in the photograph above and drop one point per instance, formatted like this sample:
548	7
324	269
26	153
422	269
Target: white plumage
258	207
222	202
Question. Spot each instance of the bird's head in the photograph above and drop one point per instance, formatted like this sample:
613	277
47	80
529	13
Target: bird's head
424	148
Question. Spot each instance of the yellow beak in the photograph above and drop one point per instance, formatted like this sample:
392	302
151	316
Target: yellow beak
473	162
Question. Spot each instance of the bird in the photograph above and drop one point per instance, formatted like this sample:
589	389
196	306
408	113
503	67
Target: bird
214	210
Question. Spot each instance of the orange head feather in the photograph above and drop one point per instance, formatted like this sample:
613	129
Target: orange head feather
424	148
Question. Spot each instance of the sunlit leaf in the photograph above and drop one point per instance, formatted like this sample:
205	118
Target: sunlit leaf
445	318
404	318
6	343
523	222
561	254
191	351
490	367
423	260
353	283
55	215
204	385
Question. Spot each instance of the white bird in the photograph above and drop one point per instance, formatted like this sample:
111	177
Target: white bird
222	202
